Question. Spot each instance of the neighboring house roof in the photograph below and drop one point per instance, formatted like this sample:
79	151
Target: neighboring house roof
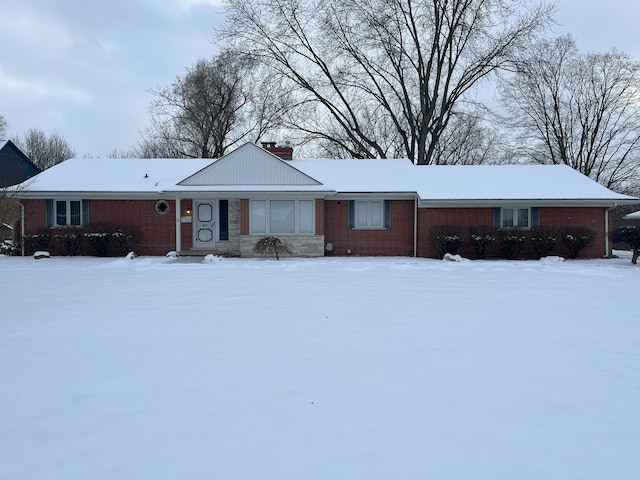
632	216
15	166
253	169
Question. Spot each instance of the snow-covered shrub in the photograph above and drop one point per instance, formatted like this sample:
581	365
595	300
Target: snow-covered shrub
172	254
512	243
69	241
9	247
629	234
98	236
131	256
544	241
107	239
38	240
446	239
271	246
481	239
577	239
125	238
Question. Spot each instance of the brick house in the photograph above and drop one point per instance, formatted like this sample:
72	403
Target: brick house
319	206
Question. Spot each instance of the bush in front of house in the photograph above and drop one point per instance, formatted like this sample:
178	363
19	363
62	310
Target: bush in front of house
69	241
125	238
9	247
577	239
512	243
108	239
446	239
37	241
271	246
481	239
629	234
544	241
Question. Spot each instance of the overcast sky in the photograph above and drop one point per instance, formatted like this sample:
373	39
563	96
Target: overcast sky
82	68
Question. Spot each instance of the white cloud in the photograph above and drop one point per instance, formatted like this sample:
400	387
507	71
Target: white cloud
42	88
31	29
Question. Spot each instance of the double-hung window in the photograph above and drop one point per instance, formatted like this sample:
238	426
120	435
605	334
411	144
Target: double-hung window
516	217
282	216
369	214
67	213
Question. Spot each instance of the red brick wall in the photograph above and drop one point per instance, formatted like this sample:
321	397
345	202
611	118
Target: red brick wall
592	218
158	231
556	217
462	217
320	218
397	240
332	221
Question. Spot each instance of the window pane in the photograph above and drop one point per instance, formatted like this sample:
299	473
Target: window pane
523	217
507	217
361	214
376	214
259	216
282	216
305	210
75	212
61	213
223	219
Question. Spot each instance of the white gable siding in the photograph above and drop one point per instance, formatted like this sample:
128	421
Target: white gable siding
249	165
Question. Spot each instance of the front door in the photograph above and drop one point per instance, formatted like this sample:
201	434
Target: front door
204	224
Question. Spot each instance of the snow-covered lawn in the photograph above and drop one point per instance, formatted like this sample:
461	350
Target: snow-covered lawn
334	368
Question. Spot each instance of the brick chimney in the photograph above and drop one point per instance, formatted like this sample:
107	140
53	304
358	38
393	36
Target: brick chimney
285	152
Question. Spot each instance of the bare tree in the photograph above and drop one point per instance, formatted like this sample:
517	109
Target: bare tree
374	78
214	106
44	151
580	110
3	127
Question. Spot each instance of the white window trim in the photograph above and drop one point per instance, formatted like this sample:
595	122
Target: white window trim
368	226
67	214
296	214
515	218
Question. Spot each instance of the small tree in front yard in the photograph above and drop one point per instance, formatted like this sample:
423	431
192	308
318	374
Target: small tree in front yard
481	239
446	239
512	243
629	234
272	246
577	239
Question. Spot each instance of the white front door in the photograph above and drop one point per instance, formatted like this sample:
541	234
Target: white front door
204	224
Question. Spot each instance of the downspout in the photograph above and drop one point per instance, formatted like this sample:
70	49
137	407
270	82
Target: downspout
415	225
21	229
178	225
606	229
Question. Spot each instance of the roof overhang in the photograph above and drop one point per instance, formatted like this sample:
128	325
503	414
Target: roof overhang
535	202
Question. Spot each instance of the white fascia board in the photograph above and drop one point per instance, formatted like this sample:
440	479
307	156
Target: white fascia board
203	194
91	195
486	203
381	195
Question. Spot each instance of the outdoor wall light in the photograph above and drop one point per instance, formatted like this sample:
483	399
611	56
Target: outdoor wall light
188	211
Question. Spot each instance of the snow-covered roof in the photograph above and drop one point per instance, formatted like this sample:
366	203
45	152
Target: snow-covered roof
633	216
434	184
114	175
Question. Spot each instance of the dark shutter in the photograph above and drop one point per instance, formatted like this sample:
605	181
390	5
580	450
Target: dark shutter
223	219
387	214
49	214
535	217
496	218
352	213
85	212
